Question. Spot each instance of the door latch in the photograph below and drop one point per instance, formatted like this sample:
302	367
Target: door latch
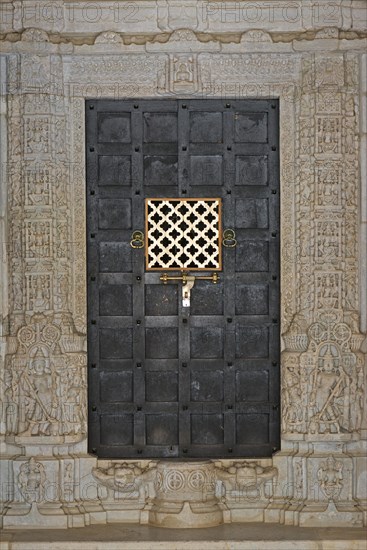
188	282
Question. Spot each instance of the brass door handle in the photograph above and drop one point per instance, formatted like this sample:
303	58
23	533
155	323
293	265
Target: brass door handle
137	239
229	238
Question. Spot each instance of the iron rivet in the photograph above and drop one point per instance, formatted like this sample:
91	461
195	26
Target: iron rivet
184	450
229	406
230	450
274	449
273	106
273	148
138	322
229	192
138	278
275	320
275	407
228	105
185	407
93	321
274	277
138	365
91	149
274	191
138	408
94	408
92	192
184	191
92	278
137	192
93	365
229	148
229	319
230	364
184	148
136	106
94	450
137	149
91	107
184	105
139	451
274	363
92	235
274	234
184	365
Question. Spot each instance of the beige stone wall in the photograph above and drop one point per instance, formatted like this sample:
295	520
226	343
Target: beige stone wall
311	56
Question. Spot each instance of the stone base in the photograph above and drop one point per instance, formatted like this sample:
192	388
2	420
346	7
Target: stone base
206	516
32	519
236	537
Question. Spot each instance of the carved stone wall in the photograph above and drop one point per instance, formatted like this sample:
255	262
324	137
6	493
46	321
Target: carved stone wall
311	56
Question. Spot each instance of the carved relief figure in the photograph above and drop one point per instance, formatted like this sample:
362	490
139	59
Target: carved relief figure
330	478
130	479
183	73
38	239
328	135
328	245
328	179
328	391
328	290
74	417
37	393
38	187
39	292
293	406
247	478
31	481
36	135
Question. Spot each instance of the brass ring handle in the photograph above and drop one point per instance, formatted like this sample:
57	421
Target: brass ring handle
229	238
137	239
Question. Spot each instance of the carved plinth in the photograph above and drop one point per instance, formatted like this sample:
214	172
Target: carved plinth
185	496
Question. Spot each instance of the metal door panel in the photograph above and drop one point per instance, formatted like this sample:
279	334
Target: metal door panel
164	380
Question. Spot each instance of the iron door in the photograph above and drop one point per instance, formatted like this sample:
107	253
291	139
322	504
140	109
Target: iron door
167	380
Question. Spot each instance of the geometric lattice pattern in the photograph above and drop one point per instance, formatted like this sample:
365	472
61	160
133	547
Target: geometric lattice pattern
183	234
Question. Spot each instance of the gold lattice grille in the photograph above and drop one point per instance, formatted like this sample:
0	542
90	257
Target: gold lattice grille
183	234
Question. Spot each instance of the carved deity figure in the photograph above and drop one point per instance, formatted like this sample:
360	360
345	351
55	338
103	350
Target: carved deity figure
293	403
330	478
39	292
73	404
329	395
37	393
31	480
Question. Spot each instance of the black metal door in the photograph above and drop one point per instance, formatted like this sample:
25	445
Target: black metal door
167	380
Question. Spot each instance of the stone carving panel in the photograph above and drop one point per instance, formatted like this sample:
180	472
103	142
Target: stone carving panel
45	385
247	480
327	238
32	480
128	480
